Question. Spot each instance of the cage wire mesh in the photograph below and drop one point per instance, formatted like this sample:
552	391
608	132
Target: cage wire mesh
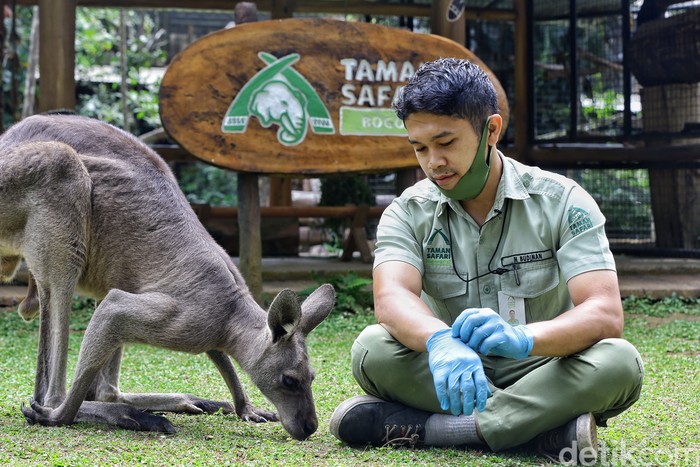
579	79
624	199
580	97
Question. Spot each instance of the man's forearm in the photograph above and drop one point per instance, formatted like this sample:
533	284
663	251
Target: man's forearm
408	319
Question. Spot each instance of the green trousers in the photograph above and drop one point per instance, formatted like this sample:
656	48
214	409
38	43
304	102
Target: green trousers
530	396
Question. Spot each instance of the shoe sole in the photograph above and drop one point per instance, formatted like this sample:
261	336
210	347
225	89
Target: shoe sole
345	407
587	436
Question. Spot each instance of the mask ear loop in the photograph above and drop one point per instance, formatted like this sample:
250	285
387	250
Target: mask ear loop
485	134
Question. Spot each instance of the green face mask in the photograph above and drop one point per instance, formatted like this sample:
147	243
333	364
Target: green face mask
474	181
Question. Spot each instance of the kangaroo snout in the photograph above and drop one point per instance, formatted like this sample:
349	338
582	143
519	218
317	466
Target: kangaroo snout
310	427
301	428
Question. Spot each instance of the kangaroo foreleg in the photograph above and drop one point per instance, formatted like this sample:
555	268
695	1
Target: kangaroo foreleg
244	408
28	308
174	402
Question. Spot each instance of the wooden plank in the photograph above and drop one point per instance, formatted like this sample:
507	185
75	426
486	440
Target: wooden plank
303	6
315	6
323	212
320	212
346	65
355	236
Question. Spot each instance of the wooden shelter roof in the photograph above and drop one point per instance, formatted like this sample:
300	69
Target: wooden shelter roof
493	9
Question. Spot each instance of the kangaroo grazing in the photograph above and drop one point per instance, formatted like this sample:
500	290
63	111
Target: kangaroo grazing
91	208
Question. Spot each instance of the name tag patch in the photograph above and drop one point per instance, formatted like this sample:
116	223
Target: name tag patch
529	257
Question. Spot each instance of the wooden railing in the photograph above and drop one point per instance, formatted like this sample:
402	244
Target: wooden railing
354	235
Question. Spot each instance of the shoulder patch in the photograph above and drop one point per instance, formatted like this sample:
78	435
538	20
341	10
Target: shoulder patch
579	220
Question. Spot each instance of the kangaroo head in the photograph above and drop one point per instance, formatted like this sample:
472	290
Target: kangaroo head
283	373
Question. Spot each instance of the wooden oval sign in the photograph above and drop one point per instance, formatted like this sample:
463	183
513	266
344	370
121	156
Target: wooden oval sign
299	96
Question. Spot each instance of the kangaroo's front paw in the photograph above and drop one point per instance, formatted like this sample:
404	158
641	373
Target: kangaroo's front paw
210	407
28	308
37	414
250	413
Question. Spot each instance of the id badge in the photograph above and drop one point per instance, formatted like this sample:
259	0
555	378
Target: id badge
511	309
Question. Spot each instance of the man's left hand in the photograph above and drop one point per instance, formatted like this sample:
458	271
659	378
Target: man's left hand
486	332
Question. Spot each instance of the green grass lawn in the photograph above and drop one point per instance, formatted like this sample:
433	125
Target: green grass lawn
663	428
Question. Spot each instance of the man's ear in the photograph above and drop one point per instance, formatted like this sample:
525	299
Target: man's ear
495	124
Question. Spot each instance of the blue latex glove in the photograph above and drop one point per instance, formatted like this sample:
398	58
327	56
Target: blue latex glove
486	332
458	374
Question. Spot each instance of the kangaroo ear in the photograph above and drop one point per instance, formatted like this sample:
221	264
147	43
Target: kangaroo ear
316	308
284	315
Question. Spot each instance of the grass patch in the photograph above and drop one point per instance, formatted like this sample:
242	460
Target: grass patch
661	429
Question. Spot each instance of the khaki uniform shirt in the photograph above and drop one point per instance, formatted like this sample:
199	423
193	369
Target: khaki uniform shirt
543	230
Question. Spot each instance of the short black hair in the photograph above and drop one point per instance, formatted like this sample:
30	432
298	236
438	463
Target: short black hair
452	87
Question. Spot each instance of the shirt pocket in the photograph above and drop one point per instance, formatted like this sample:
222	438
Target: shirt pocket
536	283
448	293
443	284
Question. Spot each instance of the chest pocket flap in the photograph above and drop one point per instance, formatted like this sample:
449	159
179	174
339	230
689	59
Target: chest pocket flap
530	279
443	284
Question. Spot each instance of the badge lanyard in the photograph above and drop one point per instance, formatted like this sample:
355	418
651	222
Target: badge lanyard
499	271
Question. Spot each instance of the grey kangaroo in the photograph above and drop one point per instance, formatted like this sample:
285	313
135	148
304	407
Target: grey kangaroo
93	209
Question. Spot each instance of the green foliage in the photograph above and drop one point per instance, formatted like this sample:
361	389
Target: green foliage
662	307
97	64
353	294
98	60
206	184
603	104
82	309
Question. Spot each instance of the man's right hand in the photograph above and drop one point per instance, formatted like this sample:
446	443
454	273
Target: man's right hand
458	374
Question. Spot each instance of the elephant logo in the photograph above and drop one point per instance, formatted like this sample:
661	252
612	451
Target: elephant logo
279	95
276	102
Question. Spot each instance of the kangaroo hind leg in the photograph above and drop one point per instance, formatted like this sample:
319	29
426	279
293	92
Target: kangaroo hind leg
45	205
106	389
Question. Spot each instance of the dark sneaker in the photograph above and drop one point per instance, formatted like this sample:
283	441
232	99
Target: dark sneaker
572	443
370	420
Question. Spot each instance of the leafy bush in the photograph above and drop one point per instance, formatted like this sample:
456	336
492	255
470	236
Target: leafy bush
353	294
662	307
98	60
206	184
